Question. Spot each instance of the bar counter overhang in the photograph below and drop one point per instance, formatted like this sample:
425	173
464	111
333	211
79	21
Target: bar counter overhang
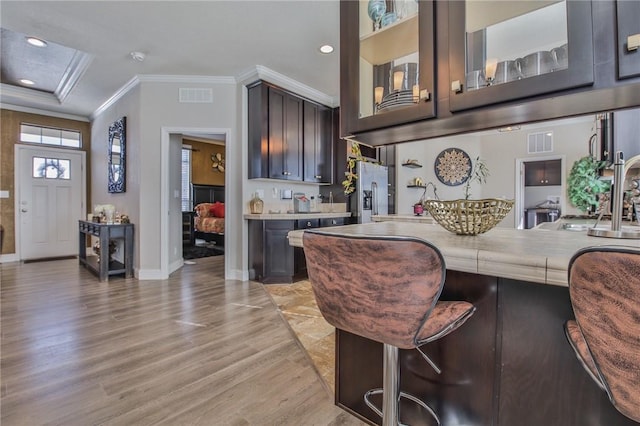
511	364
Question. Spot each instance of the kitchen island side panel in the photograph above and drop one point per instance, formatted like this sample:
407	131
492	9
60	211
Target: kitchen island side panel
462	394
510	363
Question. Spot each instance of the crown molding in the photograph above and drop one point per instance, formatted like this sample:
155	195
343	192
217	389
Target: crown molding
249	76
48	113
151	78
79	64
261	72
14	94
200	79
129	85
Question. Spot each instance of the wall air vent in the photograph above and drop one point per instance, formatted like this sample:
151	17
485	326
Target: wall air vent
196	95
540	142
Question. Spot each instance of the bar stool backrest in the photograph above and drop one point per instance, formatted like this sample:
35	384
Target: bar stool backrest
604	286
381	288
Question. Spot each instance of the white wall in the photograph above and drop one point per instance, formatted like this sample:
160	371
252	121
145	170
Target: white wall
175	202
500	151
127	202
150	106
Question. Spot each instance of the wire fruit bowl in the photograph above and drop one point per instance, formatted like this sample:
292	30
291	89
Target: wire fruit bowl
469	217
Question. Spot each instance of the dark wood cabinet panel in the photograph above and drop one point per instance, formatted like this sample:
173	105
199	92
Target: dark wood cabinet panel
628	14
271	259
352	121
565	93
290	138
509	364
579	72
318	136
285	135
387	156
543	173
270	255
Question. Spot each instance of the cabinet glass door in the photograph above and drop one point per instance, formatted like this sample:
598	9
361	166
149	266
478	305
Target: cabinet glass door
391	52
503	50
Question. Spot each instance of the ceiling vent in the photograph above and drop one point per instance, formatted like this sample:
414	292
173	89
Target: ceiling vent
539	142
196	95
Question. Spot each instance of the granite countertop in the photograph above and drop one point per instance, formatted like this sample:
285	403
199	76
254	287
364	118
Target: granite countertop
403	218
295	216
540	256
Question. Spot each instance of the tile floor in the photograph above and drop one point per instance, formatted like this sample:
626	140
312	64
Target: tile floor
298	306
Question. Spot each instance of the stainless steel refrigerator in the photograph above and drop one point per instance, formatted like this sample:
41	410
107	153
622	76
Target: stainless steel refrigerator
372	193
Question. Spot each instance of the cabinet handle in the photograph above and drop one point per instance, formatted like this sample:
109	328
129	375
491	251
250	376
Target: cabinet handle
309	224
633	42
318	177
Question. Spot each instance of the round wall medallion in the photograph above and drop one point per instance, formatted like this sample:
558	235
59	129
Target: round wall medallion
452	167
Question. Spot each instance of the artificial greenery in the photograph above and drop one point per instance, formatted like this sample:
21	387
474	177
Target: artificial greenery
479	174
584	183
349	183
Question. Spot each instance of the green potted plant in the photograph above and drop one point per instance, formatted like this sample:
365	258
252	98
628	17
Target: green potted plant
584	183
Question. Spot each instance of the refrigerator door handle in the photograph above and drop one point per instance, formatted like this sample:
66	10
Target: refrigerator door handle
374	198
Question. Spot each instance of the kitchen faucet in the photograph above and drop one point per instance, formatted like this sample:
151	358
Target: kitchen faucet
620	170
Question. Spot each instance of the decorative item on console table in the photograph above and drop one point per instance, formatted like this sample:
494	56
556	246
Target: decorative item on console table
470	217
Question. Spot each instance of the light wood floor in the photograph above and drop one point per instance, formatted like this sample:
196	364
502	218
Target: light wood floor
191	350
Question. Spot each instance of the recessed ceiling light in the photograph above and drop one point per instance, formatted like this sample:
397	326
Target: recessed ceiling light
27	82
36	42
326	48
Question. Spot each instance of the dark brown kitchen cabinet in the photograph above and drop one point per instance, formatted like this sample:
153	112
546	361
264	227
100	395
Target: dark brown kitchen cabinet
595	72
516	53
275	133
271	258
387	157
387	65
628	35
318	135
543	173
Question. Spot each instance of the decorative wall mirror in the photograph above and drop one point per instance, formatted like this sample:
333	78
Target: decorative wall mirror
117	143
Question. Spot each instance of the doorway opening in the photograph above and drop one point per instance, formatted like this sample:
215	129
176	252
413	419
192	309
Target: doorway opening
540	190
172	224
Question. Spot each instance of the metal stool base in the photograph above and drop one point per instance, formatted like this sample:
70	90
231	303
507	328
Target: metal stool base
391	393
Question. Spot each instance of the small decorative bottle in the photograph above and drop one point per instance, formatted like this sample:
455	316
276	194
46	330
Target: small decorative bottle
256	204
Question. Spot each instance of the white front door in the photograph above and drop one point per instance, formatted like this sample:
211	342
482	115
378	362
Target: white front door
51	198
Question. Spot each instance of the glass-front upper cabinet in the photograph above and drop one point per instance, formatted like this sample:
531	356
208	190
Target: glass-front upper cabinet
506	50
387	48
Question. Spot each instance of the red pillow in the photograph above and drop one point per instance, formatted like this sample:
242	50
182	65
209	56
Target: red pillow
218	209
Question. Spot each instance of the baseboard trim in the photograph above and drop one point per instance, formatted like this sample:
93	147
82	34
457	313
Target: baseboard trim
11	257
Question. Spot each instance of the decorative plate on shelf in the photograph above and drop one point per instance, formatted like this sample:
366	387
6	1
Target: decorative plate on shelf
452	167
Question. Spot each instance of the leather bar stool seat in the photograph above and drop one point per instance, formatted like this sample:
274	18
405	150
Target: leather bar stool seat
604	287
385	289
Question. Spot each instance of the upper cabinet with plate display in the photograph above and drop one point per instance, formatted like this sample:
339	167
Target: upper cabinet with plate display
482	64
387	58
504	50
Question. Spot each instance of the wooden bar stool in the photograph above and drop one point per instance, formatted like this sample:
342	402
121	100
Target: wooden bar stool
385	289
604	287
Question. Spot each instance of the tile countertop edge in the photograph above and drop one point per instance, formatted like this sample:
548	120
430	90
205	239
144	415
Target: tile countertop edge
527	255
295	216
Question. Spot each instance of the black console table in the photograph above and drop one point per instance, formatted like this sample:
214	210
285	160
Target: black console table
103	266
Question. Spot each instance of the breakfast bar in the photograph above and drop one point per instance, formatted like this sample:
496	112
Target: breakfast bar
511	362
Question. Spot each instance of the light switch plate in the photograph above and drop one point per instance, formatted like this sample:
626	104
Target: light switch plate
4	194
